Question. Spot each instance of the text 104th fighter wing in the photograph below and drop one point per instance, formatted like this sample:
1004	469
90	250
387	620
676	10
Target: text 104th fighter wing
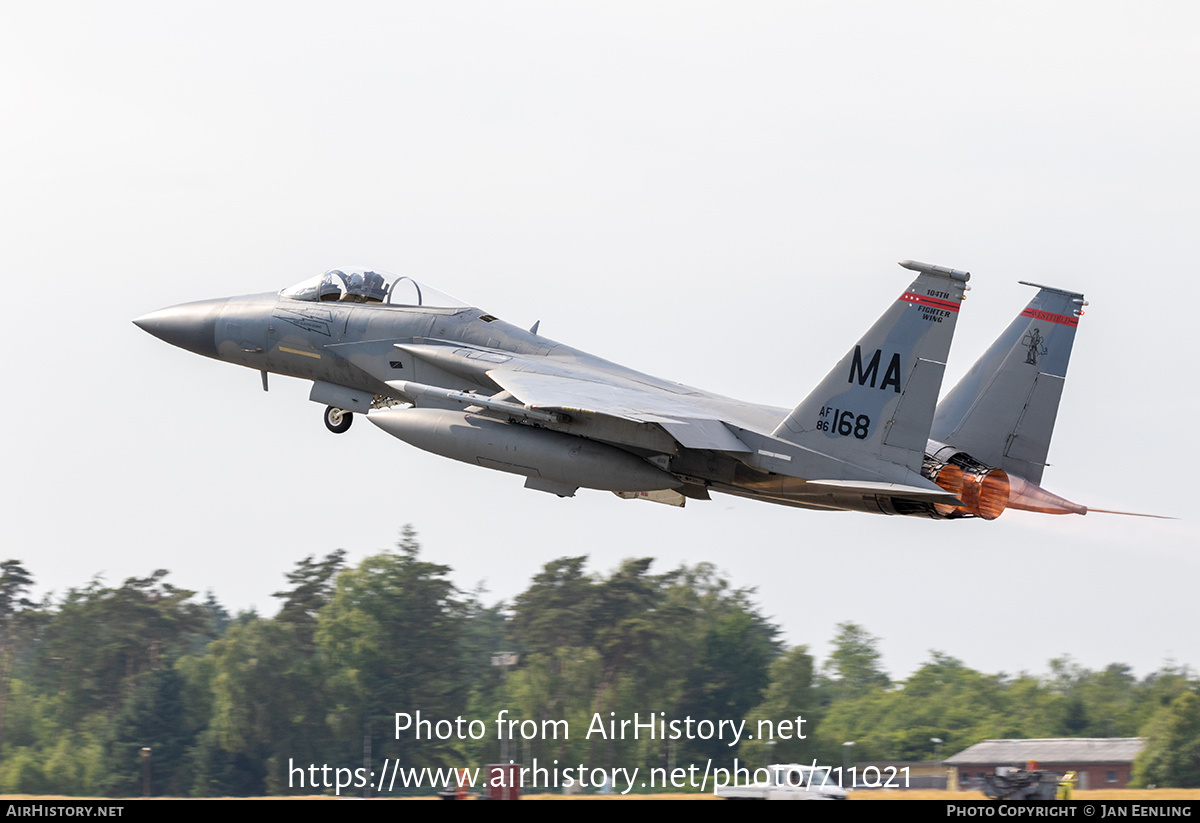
872	437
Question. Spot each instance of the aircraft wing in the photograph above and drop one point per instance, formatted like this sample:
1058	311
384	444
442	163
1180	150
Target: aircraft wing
684	417
548	386
574	390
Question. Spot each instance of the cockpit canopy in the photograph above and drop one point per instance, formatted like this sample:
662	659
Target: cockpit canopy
355	285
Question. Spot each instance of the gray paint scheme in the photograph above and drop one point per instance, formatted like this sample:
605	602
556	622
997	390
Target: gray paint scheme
1003	410
486	392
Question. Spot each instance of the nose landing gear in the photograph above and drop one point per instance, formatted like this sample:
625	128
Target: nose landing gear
336	420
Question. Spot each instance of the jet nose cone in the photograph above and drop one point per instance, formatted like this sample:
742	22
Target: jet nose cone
191	326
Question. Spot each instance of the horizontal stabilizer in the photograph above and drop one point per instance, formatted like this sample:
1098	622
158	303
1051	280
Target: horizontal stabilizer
933	495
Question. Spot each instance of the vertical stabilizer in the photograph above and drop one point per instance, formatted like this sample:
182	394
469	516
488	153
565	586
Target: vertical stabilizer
878	401
1002	412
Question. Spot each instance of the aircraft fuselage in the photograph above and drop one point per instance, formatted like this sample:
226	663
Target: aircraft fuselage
483	391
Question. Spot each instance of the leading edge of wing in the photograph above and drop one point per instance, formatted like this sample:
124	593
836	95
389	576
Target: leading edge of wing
687	422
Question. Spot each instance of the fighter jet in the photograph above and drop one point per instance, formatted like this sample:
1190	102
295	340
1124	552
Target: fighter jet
871	437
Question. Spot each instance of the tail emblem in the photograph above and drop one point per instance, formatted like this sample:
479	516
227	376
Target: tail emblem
1033	340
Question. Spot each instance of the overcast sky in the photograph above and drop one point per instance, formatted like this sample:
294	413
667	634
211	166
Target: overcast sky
711	193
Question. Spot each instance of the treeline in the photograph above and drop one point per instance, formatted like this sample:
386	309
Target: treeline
231	706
